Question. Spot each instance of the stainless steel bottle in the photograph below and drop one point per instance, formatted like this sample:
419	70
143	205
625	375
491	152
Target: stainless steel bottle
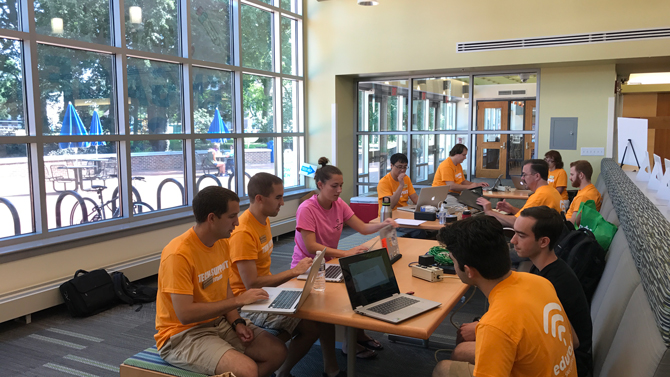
386	212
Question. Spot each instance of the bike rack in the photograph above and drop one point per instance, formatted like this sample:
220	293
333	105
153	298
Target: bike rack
15	215
197	183
160	188
82	204
115	195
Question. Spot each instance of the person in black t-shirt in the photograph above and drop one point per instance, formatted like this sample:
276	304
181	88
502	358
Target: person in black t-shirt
536	232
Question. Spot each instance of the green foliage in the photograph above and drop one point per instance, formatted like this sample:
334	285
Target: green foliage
83	20
210	30
158	31
11	81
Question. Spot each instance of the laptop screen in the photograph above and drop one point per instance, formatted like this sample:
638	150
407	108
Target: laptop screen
368	277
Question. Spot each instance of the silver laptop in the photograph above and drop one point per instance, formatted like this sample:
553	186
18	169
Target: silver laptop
516	180
333	273
373	289
429	196
495	184
286	300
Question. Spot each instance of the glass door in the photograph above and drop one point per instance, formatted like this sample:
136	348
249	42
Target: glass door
491	147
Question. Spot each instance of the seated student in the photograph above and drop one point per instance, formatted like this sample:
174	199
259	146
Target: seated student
450	171
319	223
250	253
557	177
199	328
580	176
212	154
536	232
390	185
523	332
534	174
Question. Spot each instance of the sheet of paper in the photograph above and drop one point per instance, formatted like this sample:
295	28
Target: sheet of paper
636	130
409	222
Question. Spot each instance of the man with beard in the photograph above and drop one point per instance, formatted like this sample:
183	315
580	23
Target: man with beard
580	176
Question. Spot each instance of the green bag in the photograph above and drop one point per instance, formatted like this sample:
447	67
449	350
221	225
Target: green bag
592	220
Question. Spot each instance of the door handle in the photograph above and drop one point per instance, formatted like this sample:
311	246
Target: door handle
526	145
504	144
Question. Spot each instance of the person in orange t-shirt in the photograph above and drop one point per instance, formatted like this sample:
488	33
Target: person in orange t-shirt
534	174
580	176
390	185
199	328
558	179
525	331
450	171
250	253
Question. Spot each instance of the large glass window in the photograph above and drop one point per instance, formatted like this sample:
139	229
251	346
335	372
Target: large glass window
127	125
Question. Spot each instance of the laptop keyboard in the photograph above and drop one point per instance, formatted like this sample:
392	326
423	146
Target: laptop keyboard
333	271
285	300
393	305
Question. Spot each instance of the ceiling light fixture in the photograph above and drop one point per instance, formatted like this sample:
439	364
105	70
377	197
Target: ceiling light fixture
367	3
57	25
649	78
135	15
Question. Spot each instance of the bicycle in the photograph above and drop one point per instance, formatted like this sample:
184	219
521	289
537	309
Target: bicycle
97	211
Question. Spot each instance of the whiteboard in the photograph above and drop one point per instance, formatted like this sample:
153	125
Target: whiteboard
635	130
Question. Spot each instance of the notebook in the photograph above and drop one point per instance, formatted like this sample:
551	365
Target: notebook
333	273
286	300
429	196
469	198
373	290
518	183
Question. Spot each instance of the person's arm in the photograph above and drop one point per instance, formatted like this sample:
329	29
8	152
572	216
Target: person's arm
384	190
309	238
189	311
505	220
250	278
503	205
495	352
414	197
560	189
575	338
244	333
358	225
474	184
465	185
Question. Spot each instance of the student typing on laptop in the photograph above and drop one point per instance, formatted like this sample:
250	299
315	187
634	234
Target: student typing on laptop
250	253
199	328
534	173
450	173
319	223
396	184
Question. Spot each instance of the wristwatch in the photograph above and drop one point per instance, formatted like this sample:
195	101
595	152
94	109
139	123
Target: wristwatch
237	322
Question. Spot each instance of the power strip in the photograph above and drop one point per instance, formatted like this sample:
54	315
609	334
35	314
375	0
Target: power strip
428	273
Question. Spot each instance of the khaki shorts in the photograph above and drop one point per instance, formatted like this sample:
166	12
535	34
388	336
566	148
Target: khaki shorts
272	321
200	348
461	369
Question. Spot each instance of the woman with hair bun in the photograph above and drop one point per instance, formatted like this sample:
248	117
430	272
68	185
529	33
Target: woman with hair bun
319	223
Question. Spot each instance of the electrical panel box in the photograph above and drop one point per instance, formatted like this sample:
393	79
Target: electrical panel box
563	133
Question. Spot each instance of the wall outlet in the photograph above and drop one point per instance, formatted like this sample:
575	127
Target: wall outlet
593	151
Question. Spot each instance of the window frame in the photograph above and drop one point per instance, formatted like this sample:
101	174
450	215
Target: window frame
43	239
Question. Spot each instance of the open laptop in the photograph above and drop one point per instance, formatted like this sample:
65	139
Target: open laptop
373	289
286	300
333	273
516	180
495	184
429	196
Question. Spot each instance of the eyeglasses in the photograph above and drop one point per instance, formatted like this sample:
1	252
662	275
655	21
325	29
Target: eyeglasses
400	167
549	159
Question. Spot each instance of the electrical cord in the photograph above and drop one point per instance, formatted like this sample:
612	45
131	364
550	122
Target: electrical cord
451	319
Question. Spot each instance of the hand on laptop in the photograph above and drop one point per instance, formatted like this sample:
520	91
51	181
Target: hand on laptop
479	184
504	206
357	250
302	266
251	295
484	203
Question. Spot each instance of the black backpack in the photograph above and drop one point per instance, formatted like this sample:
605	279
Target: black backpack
132	293
582	252
88	293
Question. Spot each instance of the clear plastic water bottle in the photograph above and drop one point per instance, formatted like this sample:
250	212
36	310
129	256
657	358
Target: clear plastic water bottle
320	280
442	215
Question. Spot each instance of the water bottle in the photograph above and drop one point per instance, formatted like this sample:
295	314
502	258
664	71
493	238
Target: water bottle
386	212
442	215
320	280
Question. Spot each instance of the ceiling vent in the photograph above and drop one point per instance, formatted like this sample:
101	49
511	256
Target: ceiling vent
564	40
511	92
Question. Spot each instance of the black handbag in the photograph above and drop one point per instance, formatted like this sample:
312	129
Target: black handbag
88	293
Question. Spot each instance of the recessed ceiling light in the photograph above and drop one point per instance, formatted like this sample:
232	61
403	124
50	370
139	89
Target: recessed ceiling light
649	78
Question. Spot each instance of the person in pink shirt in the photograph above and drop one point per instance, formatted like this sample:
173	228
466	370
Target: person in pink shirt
319	223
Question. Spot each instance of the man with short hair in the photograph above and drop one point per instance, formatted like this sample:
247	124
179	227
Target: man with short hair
537	231
392	187
199	328
251	249
580	176
524	332
450	171
534	173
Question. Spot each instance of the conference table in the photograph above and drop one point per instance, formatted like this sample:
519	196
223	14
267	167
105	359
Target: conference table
333	305
517	194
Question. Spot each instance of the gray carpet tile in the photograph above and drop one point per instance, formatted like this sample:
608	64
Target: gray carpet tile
55	344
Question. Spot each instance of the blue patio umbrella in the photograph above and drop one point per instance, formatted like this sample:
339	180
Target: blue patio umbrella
96	129
72	125
218	126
